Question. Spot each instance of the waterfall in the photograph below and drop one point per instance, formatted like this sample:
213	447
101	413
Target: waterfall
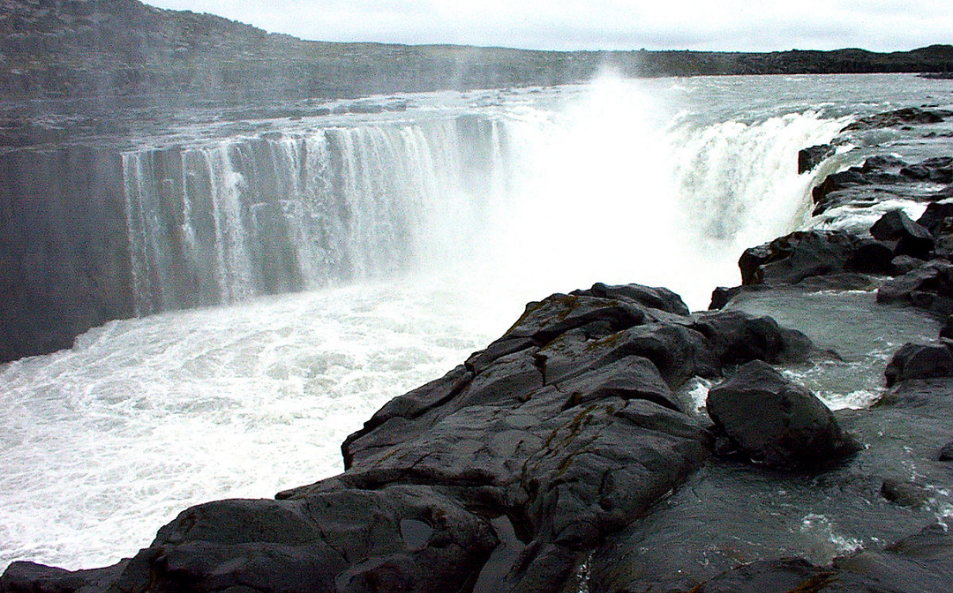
219	223
536	198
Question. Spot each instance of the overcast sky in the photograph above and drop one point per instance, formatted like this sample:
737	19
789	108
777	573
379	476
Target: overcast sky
741	25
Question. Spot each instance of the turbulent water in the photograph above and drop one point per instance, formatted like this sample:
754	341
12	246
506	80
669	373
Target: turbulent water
327	264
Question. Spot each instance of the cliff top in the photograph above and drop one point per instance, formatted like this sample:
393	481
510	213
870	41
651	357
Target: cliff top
122	50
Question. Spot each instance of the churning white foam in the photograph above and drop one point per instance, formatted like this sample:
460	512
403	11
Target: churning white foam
104	443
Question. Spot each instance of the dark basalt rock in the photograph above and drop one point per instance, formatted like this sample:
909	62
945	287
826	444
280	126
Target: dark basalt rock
937	170
912	238
929	287
793	258
659	298
900	117
504	472
792	428
937	218
946	453
919	361
776	576
909	494
922	563
721	296
809	158
736	338
880	177
29	577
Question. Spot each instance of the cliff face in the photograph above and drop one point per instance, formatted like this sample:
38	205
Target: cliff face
74	49
122	51
63	248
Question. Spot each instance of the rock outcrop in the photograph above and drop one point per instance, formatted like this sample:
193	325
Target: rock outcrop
501	475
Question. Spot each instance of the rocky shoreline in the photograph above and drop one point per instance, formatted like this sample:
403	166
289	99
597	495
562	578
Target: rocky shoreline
569	455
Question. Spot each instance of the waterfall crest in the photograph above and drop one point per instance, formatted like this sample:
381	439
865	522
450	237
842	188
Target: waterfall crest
228	220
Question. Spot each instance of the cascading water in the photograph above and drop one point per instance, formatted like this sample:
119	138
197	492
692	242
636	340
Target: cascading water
285	211
426	232
220	223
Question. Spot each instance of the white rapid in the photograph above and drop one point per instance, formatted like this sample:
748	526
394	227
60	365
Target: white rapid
407	241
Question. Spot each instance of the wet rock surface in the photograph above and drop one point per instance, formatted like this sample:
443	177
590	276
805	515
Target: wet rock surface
566	429
792	427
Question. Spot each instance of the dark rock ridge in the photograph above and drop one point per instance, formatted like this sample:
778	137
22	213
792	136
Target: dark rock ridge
500	475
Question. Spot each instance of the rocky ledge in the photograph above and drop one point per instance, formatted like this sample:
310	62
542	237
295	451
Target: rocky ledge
572	454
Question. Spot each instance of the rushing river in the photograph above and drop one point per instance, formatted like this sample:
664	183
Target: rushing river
293	275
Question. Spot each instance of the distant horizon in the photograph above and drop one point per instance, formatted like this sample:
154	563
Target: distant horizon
734	26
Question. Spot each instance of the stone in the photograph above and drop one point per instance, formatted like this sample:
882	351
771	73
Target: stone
920	563
30	577
937	217
908	494
929	287
775	422
648	296
871	257
736	337
809	158
900	117
912	239
790	259
946	453
771	576
721	296
919	361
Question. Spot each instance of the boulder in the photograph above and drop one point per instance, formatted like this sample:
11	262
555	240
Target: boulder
775	422
721	296
912	239
809	158
929	287
905	493
871	257
329	538
946	453
736	337
919	361
937	217
790	259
